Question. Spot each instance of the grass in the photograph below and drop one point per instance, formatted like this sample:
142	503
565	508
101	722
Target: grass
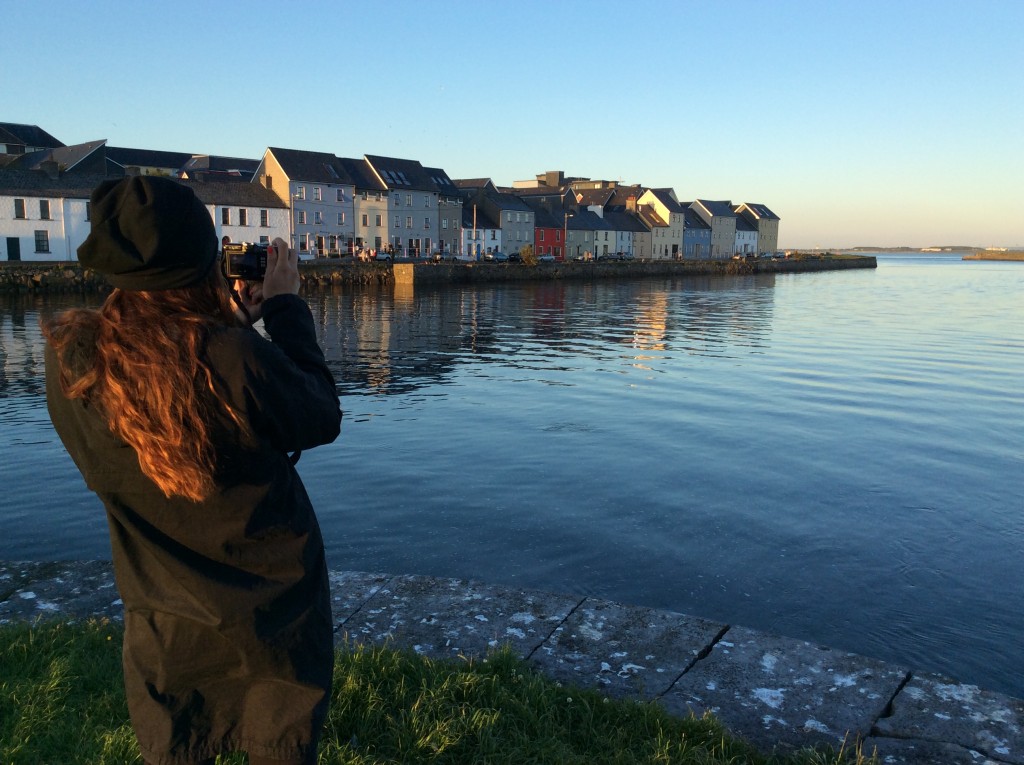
62	702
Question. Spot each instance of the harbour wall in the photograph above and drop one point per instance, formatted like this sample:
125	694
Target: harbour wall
51	277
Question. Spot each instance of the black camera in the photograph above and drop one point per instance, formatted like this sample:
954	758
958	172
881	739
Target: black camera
245	260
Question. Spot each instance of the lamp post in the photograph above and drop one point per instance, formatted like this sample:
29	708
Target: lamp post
565	237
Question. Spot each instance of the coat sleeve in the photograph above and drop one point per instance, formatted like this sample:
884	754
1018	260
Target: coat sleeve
284	386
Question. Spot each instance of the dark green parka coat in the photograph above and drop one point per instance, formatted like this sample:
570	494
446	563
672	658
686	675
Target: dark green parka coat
228	631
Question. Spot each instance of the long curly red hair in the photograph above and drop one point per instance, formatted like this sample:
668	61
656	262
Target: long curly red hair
149	379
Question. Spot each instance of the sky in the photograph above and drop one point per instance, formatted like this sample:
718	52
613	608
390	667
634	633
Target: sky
892	123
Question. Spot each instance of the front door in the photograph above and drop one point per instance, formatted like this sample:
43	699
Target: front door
13	248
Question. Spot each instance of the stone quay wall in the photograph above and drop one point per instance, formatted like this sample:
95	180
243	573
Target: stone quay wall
50	277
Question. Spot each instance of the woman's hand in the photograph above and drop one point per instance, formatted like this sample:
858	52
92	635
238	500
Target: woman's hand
282	277
250	297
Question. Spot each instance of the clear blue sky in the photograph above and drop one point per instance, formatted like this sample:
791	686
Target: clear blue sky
858	123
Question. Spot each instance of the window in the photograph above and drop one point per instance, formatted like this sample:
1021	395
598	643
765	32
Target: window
270	183
300	217
408	200
542	235
264	218
444	223
426	223
304	243
225	216
366	219
341	219
317	196
341	195
19	209
377	220
264	239
363	196
408	221
300	192
318	217
44	209
42	241
243	216
398	222
508	217
426	200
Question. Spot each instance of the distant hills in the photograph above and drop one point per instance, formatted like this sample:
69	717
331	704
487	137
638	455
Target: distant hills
945	248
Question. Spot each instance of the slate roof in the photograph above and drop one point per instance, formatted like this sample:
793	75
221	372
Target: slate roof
742	224
233	194
171	160
362	175
470	184
310	166
483	220
586	220
624	221
27	135
649	217
402	174
445	185
691	220
598	197
33	183
718	209
760	211
211	163
665	197
544	216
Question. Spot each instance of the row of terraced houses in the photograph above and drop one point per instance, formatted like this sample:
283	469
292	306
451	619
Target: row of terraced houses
330	206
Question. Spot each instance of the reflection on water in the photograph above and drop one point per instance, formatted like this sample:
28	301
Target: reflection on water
835	457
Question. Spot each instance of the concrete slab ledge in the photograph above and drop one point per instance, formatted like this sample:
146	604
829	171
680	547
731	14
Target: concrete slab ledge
776	692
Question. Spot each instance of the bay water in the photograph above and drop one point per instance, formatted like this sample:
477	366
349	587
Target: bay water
836	457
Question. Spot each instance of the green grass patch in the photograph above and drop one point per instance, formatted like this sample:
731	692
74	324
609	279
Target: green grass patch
62	702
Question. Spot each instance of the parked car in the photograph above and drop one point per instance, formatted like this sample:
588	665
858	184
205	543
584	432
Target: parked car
515	257
547	257
383	256
498	257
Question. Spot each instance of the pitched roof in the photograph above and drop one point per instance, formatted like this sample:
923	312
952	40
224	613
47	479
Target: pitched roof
445	185
691	220
470	184
362	175
27	135
312	166
543	215
718	209
171	160
233	194
760	211
624	221
599	197
34	183
649	216
402	174
665	196
742	224
483	220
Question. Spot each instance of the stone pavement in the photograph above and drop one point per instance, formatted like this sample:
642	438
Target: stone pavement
776	692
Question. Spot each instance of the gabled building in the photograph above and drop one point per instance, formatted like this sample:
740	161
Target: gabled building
548	229
585	230
658	239
668	240
629	230
746	237
512	214
370	207
242	212
449	212
412	204
318	191
696	235
721	217
480	234
767	224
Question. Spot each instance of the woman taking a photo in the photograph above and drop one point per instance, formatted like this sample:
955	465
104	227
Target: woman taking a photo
181	419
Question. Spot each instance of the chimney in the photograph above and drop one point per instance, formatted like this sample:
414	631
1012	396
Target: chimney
631	203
